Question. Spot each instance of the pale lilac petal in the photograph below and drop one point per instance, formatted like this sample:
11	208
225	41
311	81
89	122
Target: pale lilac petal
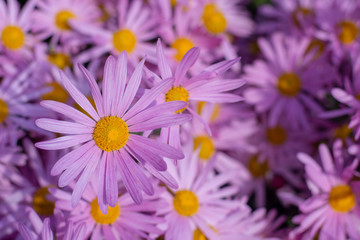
108	84
120	81
217	97
47	234
157	147
111	184
69	112
185	64
63	142
64	127
164	67
25	232
160	122
78	97
101	184
326	159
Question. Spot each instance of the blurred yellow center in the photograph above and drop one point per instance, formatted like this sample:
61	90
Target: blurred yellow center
124	40
109	218
215	113
348	32
62	19
343	132
60	60
276	135
41	204
214	20
186	203
198	234
342	198
182	45
173	3
289	84
207	148
111	133
58	93
301	13
4	110
178	94
256	168
105	15
13	37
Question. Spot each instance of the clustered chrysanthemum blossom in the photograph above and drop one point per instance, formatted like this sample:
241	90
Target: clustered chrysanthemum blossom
179	119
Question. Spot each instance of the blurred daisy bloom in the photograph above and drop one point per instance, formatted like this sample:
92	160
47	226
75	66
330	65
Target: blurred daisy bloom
17	109
333	210
199	203
53	18
110	134
135	26
16	42
283	84
207	86
39	229
126	220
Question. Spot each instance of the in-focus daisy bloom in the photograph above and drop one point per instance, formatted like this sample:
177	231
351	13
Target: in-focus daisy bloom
207	86
52	18
283	84
134	28
125	220
200	202
110	136
333	210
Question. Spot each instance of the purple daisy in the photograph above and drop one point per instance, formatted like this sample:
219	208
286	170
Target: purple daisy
207	86
283	84
333	210
109	136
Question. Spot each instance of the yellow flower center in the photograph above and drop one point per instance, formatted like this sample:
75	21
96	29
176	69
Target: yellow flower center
178	94
198	234
41	204
342	198
13	37
4	110
343	132
256	168
348	32
301	12
207	148
58	93
214	20
215	113
182	45
186	203
105	15
124	40
173	3
289	84
62	19
318	45
60	60
276	135
111	133
109	218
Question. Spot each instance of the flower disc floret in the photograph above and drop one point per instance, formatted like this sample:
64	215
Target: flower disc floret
178	94
41	204
124	40
342	199
62	19
214	20
58	93
289	84
13	37
276	135
186	203
348	32
207	148
256	168
111	133
182	46
109	218
60	60
4	110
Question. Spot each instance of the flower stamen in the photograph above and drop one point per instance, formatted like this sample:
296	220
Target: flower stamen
186	203
109	218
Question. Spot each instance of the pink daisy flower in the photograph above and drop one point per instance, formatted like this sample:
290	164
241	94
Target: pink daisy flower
207	86
107	137
333	209
199	203
135	27
283	84
54	18
126	220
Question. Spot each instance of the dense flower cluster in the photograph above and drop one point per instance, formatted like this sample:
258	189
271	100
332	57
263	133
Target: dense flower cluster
180	119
